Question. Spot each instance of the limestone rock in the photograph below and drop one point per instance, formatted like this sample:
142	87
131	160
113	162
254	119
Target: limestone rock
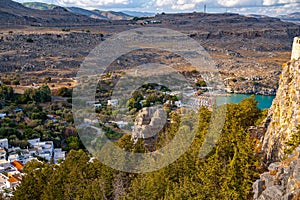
148	124
284	114
258	188
282	181
272	193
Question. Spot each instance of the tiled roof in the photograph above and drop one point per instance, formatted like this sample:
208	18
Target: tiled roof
13	180
17	165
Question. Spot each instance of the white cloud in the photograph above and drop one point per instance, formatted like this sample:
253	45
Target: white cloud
186	6
274	2
239	3
92	3
269	7
181	4
161	3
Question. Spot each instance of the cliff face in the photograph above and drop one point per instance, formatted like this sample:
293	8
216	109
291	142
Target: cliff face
282	180
284	114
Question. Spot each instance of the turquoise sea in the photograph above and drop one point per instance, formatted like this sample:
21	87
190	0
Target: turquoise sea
263	101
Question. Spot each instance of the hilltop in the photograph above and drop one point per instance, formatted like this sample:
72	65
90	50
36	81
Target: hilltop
40	5
13	13
293	17
96	14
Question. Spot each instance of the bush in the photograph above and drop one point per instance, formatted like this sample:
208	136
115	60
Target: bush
47	79
6	93
294	142
30	40
40	95
15	82
201	83
255	83
64	92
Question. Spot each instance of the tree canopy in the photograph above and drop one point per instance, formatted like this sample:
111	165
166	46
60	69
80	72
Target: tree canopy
226	173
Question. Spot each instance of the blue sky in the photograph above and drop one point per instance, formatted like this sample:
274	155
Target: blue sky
265	7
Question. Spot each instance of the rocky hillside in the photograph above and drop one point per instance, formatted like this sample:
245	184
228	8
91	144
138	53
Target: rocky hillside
13	13
96	14
228	24
282	180
248	50
284	115
39	5
243	47
113	15
293	17
85	12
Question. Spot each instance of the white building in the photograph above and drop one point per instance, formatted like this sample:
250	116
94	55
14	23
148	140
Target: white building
178	104
112	102
121	124
43	149
2	154
59	154
2	115
32	142
4	143
13	157
90	121
3	180
97	105
296	49
13	182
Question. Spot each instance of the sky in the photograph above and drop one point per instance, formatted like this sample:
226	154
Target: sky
262	7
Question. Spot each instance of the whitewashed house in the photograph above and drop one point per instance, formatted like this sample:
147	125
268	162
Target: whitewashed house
4	143
112	102
2	115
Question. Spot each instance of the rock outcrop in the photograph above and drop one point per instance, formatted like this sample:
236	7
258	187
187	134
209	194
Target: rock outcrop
284	114
282	180
148	124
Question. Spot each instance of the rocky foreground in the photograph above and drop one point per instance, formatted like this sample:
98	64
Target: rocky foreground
281	181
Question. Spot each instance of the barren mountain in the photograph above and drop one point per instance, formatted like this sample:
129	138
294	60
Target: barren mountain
13	13
39	5
248	50
293	17
96	14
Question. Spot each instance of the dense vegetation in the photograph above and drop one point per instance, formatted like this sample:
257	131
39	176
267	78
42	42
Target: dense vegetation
27	118
226	173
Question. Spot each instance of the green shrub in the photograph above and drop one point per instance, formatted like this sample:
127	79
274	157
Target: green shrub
293	142
30	40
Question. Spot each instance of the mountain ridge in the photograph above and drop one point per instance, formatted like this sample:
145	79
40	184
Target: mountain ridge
125	15
95	14
292	17
14	13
